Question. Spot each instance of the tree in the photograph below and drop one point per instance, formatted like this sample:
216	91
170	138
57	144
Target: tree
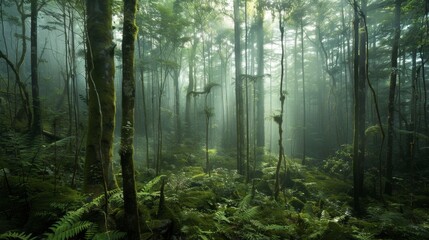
238	89
279	118
260	126
356	159
98	169
127	130
37	118
208	112
392	90
304	115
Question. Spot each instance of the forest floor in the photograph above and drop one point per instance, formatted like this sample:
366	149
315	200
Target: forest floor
190	204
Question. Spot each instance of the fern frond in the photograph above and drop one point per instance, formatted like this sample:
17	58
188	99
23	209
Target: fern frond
245	202
97	202
148	187
248	214
91	232
220	216
16	235
117	200
66	231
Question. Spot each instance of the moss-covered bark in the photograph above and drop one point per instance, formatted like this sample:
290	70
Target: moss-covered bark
101	102
127	130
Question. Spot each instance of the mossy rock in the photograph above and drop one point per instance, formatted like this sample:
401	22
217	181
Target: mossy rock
201	200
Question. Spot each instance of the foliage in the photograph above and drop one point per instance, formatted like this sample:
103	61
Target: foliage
340	163
16	236
72	224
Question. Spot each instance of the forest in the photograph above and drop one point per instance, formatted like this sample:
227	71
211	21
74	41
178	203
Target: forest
214	119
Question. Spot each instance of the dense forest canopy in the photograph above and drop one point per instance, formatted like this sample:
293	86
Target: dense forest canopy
100	95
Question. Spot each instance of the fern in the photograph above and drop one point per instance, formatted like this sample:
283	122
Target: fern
117	200
245	203
71	224
64	232
149	186
220	216
248	214
16	235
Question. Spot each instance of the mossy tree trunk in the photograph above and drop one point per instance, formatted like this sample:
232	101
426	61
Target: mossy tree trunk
360	76
98	170
392	89
127	130
238	89
260	128
356	163
279	118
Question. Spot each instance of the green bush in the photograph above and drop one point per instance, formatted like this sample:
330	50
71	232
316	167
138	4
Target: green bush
340	163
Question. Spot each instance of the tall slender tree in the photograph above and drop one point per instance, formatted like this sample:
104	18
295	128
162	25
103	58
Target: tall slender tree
304	114
361	98
37	116
392	89
98	169
127	130
238	89
356	163
260	126
279	118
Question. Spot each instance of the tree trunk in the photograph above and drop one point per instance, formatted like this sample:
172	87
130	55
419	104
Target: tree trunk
146	118
304	116
127	130
361	114
238	89
391	105
260	111
279	118
177	106
188	121
36	126
98	169
356	164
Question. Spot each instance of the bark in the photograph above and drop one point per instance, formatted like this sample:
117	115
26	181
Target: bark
391	104
36	126
127	130
356	193
238	89
304	116
188	121
98	169
279	118
260	127
177	106
361	113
